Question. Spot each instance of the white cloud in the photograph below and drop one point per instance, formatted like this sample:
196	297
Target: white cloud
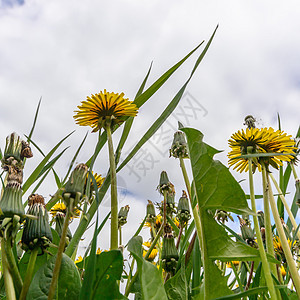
66	50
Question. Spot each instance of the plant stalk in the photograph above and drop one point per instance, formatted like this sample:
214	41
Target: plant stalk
267	218
60	251
194	209
29	273
114	194
284	243
12	265
291	216
8	280
261	249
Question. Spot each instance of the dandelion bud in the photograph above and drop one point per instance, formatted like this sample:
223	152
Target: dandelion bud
179	146
247	231
170	203
151	216
11	201
36	232
12	151
76	183
59	223
222	216
261	218
122	216
183	209
165	184
169	255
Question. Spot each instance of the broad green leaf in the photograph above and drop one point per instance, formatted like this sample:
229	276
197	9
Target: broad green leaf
150	278
222	247
176	287
68	282
34	175
216	187
109	268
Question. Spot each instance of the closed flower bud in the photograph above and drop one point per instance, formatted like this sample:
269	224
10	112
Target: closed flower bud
222	216
59	223
170	204
169	255
247	231
11	201
179	146
165	184
12	152
183	209
36	232
151	216
76	182
122	216
261	218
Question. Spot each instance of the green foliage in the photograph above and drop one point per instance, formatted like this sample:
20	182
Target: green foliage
148	273
69	283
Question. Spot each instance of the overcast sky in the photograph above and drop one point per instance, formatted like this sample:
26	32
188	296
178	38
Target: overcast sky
64	51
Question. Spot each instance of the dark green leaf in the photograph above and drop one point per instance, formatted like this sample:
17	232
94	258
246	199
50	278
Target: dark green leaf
148	273
68	282
109	268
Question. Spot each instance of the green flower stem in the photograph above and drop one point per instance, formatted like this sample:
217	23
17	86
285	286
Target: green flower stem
11	262
237	276
165	208
267	218
114	195
294	171
194	209
120	235
284	243
60	251
8	280
29	273
261	249
154	235
291	216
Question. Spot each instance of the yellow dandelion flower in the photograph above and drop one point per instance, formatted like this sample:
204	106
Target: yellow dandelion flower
60	208
79	259
98	251
99	180
283	271
176	222
104	106
234	262
262	140
153	253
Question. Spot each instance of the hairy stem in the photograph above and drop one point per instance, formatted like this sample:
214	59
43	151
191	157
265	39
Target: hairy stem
291	216
284	243
114	195
8	280
263	256
29	273
60	251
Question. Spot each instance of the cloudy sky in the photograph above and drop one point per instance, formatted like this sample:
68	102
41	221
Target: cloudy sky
63	51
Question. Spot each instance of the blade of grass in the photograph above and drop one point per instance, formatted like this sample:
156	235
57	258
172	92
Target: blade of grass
74	159
166	113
